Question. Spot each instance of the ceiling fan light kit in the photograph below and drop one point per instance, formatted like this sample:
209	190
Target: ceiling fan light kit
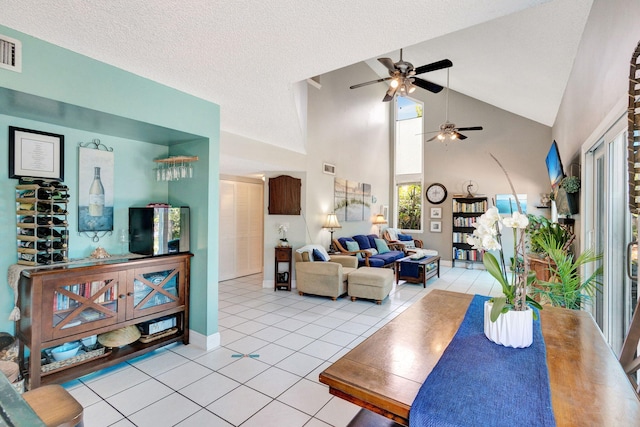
403	77
448	129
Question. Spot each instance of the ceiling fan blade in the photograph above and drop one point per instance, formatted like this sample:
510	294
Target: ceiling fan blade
369	83
470	128
432	138
445	63
388	62
460	136
427	85
389	95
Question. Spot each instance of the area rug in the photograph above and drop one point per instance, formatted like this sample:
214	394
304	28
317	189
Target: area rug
479	383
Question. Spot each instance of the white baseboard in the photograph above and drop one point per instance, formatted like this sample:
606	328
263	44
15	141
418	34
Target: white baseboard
203	341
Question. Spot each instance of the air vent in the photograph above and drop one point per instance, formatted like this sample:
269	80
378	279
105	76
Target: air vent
10	54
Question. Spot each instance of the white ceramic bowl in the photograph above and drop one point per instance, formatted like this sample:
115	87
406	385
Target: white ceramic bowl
66	350
89	341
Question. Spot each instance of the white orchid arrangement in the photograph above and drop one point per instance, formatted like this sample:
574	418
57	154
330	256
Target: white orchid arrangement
282	229
487	237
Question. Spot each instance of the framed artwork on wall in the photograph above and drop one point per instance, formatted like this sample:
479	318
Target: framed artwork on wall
436	212
36	154
436	226
95	188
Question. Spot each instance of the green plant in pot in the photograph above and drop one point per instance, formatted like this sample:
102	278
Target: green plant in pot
566	287
541	227
571	184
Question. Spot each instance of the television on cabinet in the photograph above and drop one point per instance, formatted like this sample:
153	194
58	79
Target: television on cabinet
554	166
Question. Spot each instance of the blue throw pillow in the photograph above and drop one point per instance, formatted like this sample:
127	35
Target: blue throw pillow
404	237
352	247
363	241
382	246
318	256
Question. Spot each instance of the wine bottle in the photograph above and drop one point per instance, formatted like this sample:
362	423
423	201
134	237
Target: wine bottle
96	195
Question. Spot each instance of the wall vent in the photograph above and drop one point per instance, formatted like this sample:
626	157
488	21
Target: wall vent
10	54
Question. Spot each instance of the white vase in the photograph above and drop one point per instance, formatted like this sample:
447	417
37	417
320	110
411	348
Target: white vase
511	329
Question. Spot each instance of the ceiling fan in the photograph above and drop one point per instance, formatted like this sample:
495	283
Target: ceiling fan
403	77
448	129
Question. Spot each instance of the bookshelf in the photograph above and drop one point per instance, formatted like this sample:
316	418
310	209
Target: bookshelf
466	211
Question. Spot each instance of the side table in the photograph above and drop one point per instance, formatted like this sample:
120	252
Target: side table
282	278
425	268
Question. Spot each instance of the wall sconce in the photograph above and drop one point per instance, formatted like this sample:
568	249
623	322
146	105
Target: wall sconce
331	223
379	221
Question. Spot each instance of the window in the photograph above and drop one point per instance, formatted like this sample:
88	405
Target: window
409	198
408	164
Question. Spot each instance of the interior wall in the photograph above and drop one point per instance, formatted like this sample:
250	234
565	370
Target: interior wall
59	86
596	94
520	144
350	130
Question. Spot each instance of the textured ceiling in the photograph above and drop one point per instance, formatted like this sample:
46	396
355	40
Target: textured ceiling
250	56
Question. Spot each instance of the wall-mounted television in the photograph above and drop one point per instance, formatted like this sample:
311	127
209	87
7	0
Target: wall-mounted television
554	166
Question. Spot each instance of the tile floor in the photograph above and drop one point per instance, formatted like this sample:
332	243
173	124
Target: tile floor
294	337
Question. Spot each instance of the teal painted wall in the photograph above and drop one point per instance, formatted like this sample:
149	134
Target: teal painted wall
66	78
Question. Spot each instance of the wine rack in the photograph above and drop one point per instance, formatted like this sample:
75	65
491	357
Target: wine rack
42	228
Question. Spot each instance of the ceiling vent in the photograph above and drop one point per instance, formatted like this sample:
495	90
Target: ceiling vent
10	54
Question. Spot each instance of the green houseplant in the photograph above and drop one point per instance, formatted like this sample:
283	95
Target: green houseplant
566	287
571	184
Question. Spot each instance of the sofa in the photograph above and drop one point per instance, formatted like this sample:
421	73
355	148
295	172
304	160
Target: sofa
318	277
370	250
395	236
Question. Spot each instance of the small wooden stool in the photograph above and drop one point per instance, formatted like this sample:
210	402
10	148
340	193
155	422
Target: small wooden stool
55	406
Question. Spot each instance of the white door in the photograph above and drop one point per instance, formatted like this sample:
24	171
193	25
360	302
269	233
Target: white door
241	228
607	227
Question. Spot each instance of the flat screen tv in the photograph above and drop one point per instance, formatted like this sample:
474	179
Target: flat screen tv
554	166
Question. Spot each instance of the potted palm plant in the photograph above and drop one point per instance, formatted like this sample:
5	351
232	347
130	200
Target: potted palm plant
566	287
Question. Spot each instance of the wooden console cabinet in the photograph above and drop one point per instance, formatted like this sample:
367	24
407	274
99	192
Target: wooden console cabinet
71	302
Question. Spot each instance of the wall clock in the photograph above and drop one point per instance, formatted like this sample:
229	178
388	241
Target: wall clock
436	193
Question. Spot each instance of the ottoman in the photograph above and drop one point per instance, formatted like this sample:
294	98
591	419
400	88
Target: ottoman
370	283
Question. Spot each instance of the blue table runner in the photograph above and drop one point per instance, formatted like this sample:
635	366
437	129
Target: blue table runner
479	383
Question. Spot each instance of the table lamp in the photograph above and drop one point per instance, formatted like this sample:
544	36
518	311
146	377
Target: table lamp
379	221
331	223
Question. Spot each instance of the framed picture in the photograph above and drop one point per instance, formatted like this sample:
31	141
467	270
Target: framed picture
506	203
95	189
35	154
436	212
436	226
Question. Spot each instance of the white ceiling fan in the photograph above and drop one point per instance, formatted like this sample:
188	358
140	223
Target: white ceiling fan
449	130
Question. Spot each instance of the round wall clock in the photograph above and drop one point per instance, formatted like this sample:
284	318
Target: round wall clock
436	193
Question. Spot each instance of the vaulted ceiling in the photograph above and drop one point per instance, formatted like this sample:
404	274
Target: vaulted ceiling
251	56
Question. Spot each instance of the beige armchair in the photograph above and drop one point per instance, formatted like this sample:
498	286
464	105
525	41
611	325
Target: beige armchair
324	278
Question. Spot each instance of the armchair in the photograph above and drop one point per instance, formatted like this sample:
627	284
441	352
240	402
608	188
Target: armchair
326	278
394	236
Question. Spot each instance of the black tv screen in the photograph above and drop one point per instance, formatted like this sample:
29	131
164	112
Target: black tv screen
554	166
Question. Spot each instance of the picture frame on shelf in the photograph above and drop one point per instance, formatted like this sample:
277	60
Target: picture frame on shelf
436	226
436	212
36	154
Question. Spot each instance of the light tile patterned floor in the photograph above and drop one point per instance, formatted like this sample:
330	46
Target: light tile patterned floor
296	338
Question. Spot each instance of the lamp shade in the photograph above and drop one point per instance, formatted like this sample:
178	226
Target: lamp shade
331	221
379	219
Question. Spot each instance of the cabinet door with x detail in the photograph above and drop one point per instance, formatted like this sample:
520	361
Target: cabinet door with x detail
78	303
154	289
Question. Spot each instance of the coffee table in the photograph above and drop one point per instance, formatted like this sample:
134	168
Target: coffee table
423	265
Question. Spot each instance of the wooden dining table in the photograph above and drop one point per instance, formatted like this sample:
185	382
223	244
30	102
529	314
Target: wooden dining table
384	373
